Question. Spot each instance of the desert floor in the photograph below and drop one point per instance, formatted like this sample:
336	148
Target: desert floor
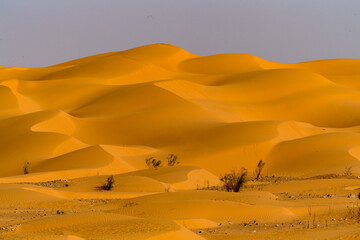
79	122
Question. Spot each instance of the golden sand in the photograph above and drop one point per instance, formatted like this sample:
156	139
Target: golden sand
80	121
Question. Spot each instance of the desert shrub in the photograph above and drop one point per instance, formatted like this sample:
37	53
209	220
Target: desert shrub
108	185
172	160
59	212
234	180
152	162
26	167
258	170
348	172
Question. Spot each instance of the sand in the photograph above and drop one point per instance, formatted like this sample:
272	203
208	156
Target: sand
81	121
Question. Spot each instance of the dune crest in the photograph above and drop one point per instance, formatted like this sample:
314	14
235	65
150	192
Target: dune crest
76	125
160	96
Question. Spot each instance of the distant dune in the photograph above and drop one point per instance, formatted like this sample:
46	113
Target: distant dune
216	112
78	122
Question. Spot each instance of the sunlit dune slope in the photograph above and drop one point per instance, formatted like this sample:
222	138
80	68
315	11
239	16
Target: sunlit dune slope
105	114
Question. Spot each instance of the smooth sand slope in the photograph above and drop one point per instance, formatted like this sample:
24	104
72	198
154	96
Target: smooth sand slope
82	120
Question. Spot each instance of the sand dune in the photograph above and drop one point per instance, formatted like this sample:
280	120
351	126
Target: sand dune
80	121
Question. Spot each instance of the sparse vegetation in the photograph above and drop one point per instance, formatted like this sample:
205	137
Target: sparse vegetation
108	185
348	172
258	170
309	213
59	212
26	167
172	160
234	180
152	162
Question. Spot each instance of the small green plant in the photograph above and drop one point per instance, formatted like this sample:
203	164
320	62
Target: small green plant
234	180
26	167
109	184
172	160
152	162
258	170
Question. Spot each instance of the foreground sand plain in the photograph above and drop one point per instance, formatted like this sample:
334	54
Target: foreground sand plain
79	122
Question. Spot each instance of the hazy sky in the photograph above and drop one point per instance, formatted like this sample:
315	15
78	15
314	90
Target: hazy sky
36	33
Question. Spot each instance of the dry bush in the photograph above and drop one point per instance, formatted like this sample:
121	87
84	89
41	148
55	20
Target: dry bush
348	172
258	170
151	162
108	185
234	180
26	167
172	160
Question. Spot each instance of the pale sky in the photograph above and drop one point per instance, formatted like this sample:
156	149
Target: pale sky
36	33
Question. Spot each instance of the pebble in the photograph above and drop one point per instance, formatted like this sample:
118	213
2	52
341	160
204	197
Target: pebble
351	196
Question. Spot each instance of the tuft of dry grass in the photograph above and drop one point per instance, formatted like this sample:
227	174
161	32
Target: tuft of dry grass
152	162
26	167
109	185
234	180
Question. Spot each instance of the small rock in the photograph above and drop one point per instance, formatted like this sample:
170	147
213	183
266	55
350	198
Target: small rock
276	225
333	219
230	223
200	231
254	231
351	196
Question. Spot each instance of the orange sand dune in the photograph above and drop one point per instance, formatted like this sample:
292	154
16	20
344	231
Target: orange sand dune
225	107
83	120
